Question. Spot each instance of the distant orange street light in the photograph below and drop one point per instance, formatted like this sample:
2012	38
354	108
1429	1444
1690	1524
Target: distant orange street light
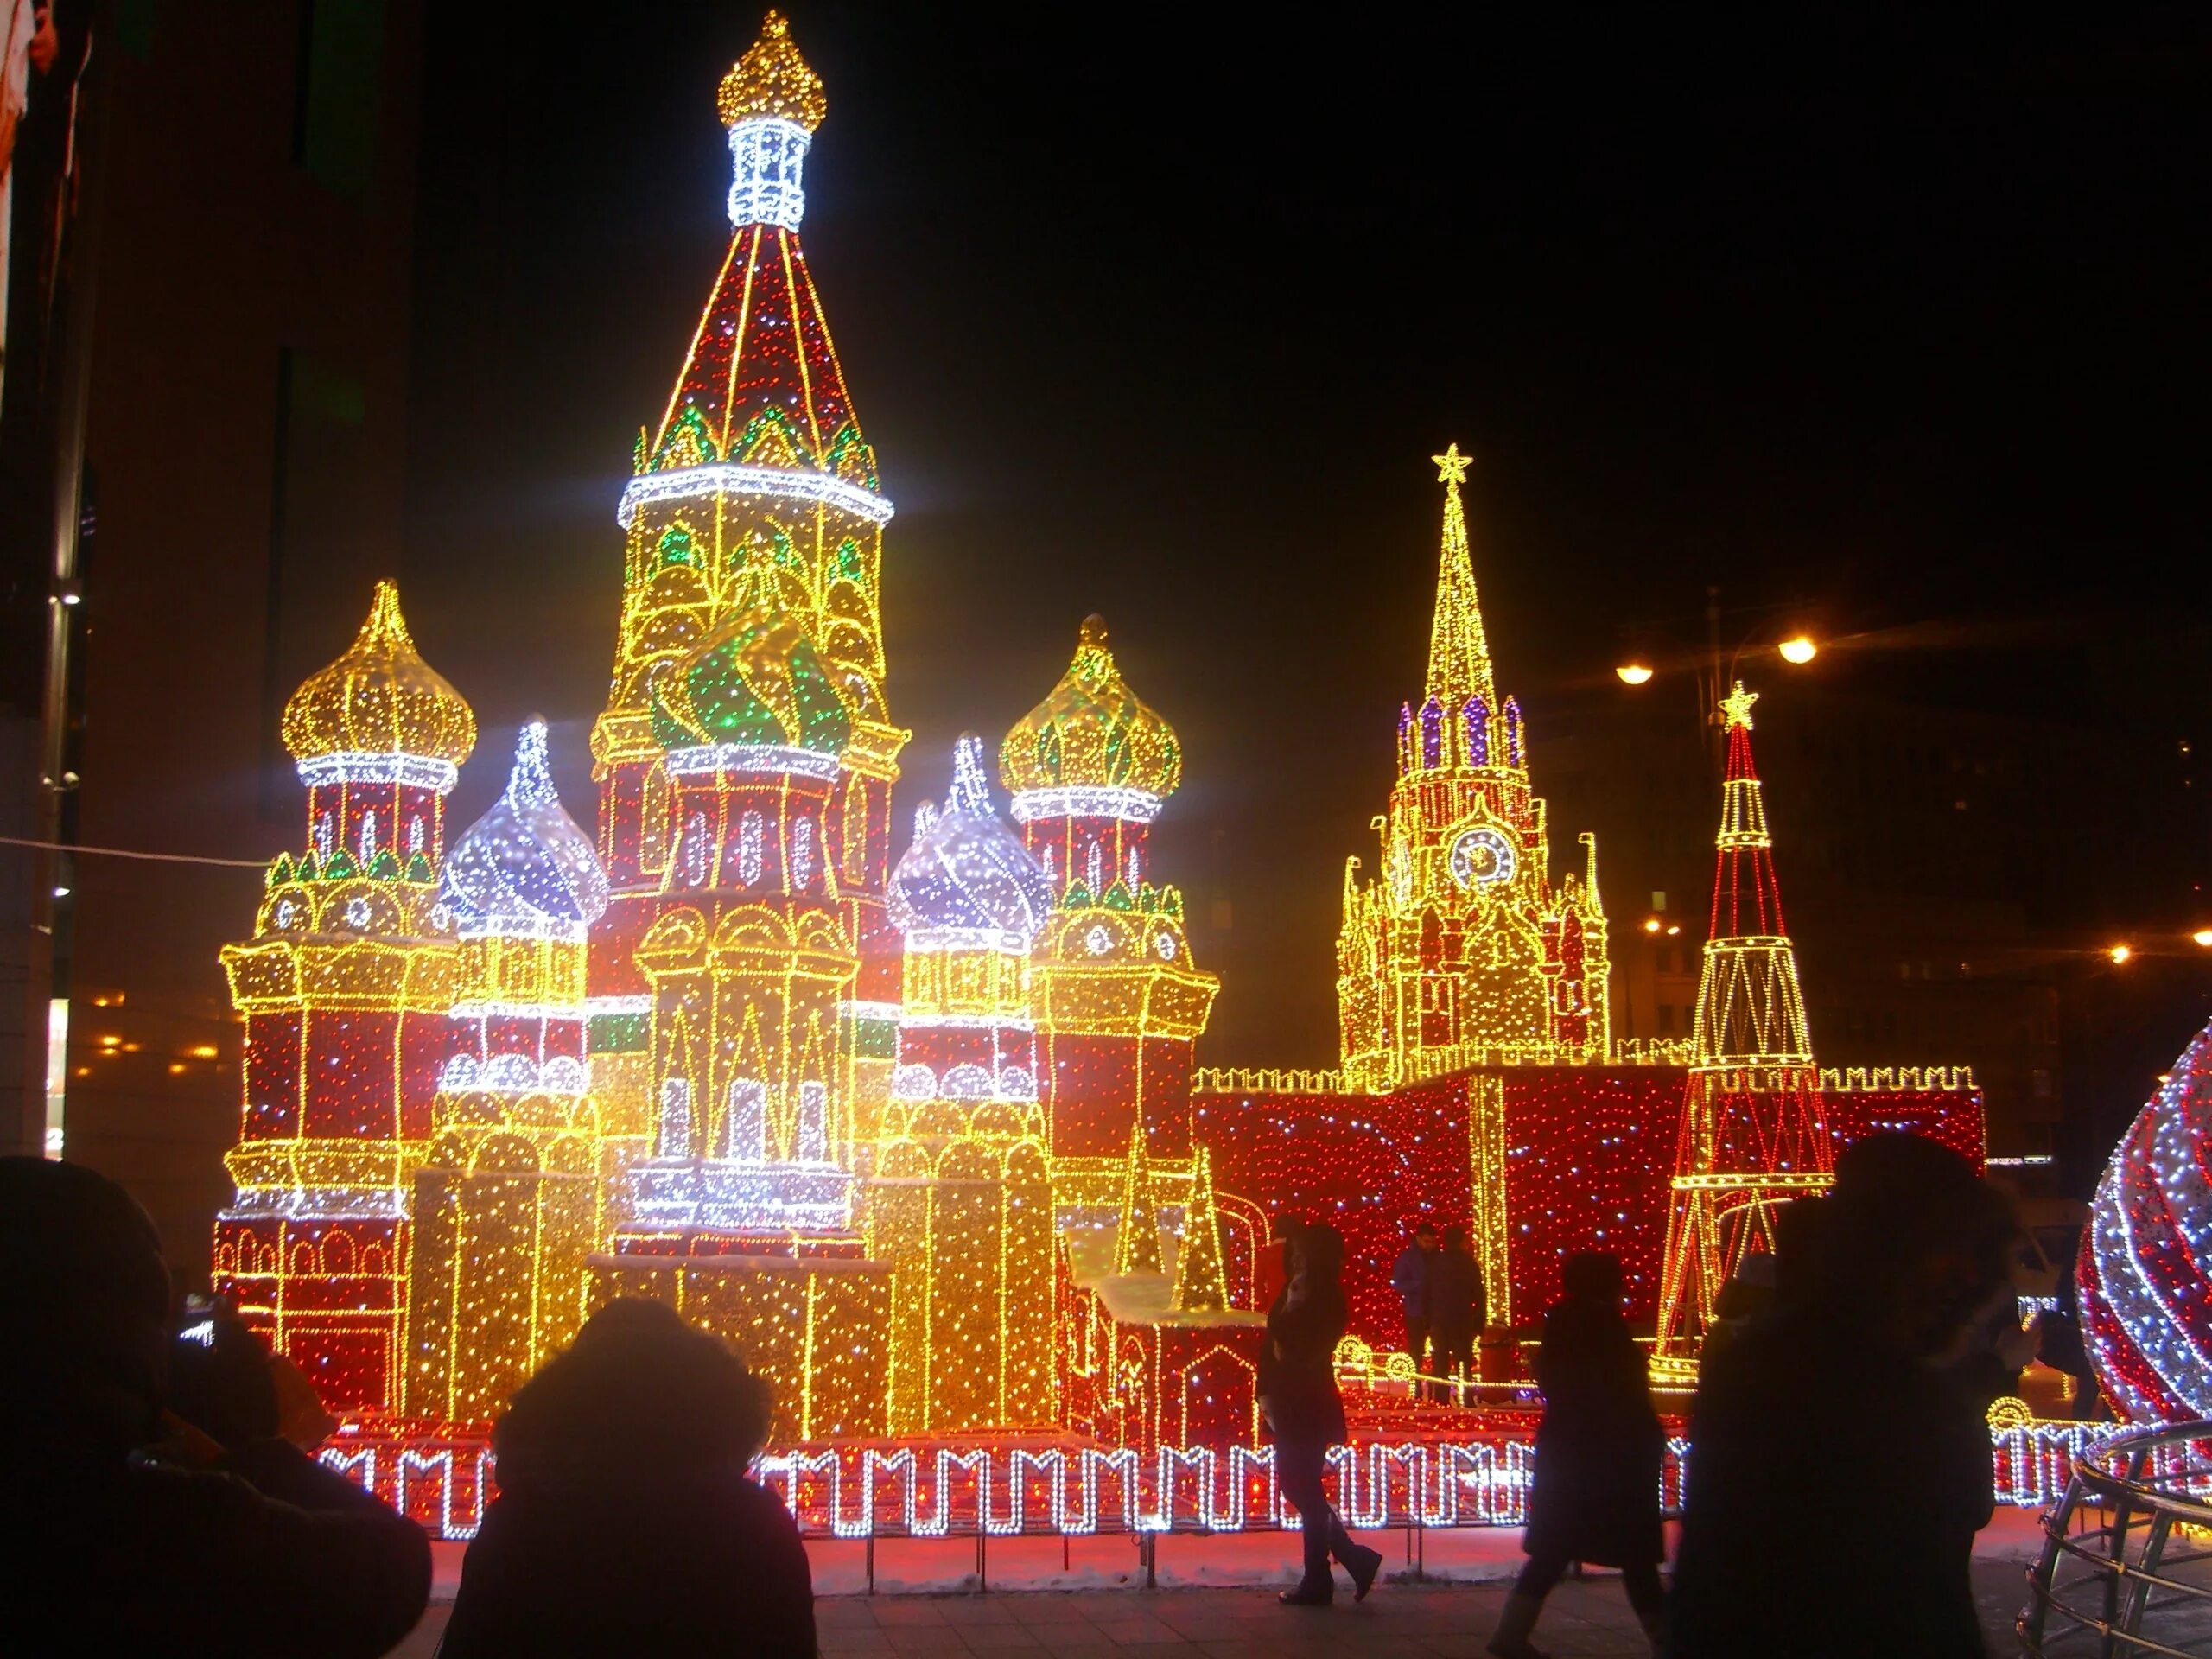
2203	937
2120	953
1634	673
1799	650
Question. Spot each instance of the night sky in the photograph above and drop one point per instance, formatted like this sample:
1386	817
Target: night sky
1894	327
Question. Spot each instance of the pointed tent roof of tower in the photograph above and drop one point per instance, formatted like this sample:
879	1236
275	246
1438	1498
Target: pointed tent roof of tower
1201	1280
1459	651
761	385
1750	1009
1136	1232
379	698
525	867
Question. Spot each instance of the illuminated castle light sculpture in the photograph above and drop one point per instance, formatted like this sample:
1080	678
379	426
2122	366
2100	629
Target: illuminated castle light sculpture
1754	1135
347	990
1461	950
922	1142
506	1200
961	1199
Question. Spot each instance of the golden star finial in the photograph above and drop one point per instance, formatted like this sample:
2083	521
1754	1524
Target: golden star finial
1736	708
1452	465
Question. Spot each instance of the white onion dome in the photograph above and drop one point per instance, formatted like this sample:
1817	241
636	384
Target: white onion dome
525	867
966	871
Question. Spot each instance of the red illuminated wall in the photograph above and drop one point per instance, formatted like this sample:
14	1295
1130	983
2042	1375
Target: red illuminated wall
1953	1118
1589	1154
1365	1164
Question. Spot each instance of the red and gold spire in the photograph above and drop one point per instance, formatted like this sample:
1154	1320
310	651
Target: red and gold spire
761	386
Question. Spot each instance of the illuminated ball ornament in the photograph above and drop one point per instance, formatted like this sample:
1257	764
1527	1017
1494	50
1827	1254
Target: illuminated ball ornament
2145	1267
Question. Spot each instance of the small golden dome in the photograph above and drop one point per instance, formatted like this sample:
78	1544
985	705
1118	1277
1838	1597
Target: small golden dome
772	80
379	698
1092	732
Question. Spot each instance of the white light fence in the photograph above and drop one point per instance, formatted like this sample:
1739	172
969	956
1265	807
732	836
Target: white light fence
960	1492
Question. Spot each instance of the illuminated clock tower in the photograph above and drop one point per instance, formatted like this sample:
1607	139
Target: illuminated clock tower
1462	950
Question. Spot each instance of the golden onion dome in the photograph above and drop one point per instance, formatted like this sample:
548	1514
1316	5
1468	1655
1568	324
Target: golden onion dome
379	698
1092	732
772	81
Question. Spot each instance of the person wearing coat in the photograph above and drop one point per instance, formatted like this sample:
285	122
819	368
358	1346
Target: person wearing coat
1412	1275
1298	1395
1595	1497
625	1522
1459	1307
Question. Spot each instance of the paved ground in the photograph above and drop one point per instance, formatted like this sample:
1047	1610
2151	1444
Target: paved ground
1399	1621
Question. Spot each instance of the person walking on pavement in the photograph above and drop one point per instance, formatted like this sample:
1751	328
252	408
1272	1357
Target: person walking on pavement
1460	1308
1598	1451
1299	1398
1413	1277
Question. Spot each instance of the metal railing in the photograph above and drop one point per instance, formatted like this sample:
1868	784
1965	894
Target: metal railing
2125	1569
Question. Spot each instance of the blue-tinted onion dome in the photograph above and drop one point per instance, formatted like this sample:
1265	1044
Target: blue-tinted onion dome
758	679
966	870
525	867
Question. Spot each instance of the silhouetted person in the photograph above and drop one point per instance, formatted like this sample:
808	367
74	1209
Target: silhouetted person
1596	1493
134	1530
1748	1294
1459	1307
625	1522
2061	1346
1412	1276
1840	1462
1297	1391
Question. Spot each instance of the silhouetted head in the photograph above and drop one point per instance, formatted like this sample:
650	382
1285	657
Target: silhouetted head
639	1398
1455	1238
1425	1234
1593	1276
1914	1236
84	1311
1321	1255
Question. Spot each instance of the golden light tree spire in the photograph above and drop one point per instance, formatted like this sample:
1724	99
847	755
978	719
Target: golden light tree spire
1201	1280
1136	1236
1458	654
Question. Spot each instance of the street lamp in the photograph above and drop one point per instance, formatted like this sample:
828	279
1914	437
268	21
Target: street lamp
1634	673
1798	649
2203	937
2120	953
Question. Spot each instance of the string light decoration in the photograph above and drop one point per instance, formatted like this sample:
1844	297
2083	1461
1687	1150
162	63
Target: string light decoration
1754	1135
2146	1293
755	496
1462	941
964	1487
506	1201
922	1143
745	980
961	1199
1119	1002
347	990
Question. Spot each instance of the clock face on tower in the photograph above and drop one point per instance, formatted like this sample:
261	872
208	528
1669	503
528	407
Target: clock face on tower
1480	857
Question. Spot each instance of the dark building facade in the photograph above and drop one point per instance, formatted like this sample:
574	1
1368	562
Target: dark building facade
245	445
